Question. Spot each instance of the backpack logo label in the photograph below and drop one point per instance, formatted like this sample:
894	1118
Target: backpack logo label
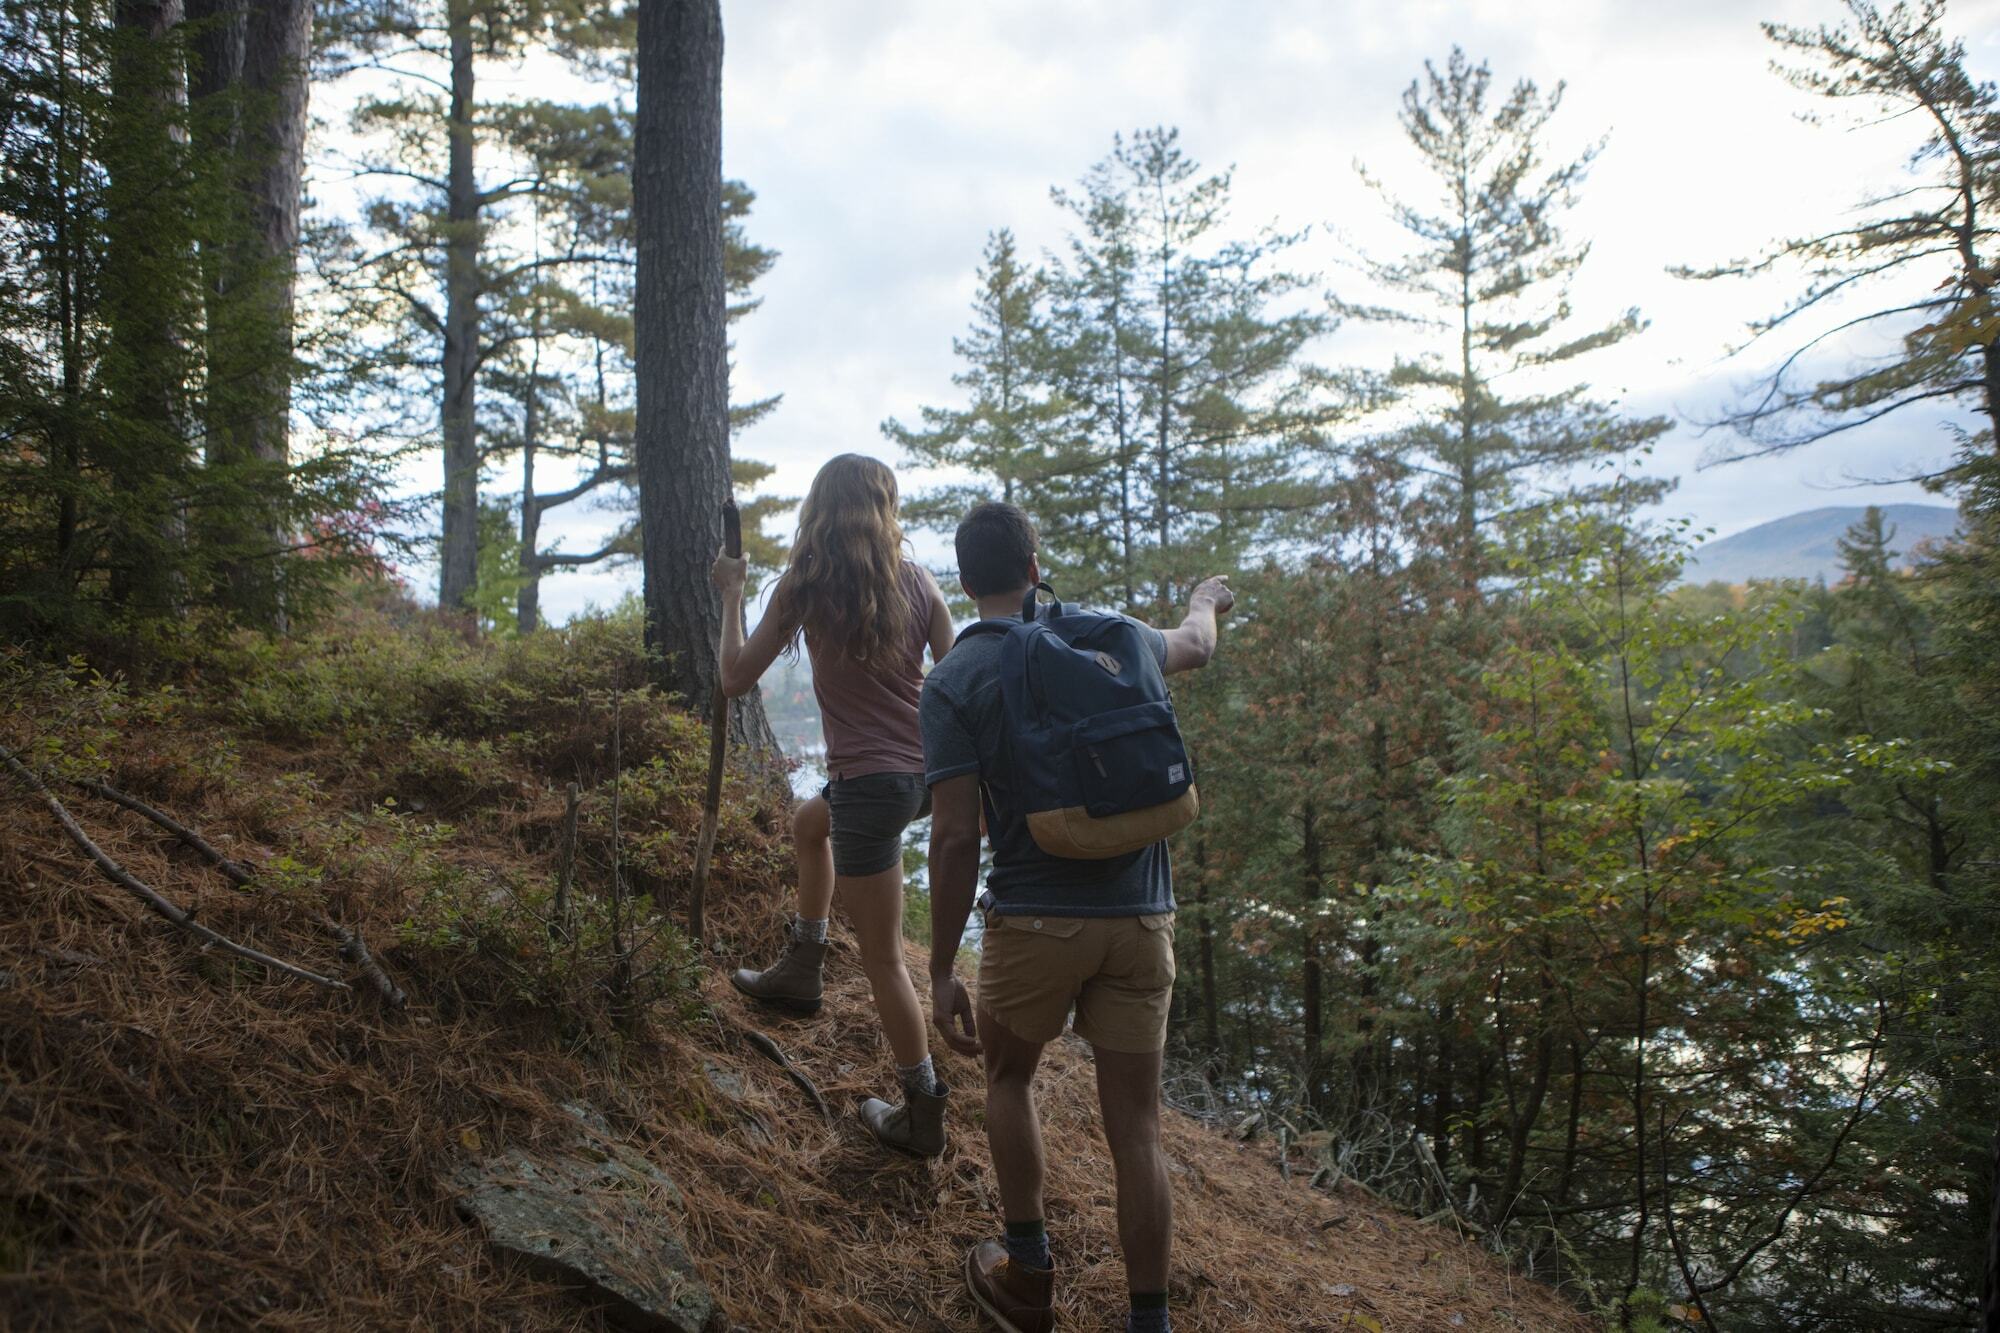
1177	772
1110	664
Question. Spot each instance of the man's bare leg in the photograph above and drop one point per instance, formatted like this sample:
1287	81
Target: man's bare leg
1128	1093
1013	1130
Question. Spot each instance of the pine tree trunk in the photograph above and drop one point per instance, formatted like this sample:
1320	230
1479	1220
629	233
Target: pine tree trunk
1121	432
68	447
528	602
1475	1120
1989	1287
277	47
459	547
250	71
682	349
1163	480
1572	1131
1525	1118
1447	1073
1210	1007
148	245
1315	1035
1367	1056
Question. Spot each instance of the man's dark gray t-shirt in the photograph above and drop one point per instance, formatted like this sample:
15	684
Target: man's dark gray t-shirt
964	732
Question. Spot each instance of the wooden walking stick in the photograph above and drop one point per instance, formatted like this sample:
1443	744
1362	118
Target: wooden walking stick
718	749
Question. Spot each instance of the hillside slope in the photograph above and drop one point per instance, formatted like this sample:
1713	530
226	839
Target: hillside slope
1806	545
191	1142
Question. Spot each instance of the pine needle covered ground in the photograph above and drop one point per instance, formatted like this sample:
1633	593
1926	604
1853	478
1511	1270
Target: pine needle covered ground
188	1141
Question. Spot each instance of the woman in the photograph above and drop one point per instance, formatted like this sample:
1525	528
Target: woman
866	614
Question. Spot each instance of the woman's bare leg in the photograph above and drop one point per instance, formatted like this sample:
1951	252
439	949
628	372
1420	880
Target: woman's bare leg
875	906
812	843
797	980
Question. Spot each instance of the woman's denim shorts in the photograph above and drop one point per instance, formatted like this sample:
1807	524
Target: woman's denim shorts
869	816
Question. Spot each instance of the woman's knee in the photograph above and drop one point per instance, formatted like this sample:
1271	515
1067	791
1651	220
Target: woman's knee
812	820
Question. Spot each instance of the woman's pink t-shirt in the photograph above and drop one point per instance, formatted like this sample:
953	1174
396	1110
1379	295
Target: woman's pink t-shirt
868	710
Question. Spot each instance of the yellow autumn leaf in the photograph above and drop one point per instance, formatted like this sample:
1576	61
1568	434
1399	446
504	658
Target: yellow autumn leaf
469	1139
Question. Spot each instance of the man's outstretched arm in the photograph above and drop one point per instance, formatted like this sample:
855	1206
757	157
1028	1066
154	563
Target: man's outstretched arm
954	874
1191	644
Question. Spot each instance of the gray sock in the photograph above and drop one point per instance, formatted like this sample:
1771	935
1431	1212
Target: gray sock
919	1077
809	931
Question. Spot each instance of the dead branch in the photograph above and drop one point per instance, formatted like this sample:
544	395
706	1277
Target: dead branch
561	928
355	950
776	1053
235	871
144	892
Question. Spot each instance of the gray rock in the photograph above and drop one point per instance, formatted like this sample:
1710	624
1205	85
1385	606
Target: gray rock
730	1088
723	1081
596	1214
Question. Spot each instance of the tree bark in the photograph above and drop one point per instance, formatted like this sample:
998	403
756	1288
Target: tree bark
459	545
1315	1035
1441	1107
1989	1287
149	246
1210	1015
249	88
1573	1123
679	314
277	44
1522	1128
67	262
528	601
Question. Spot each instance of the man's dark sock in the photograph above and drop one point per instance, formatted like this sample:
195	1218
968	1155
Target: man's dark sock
1028	1244
1149	1313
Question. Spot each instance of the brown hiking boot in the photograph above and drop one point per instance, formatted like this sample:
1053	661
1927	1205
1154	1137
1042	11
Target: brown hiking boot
794	982
916	1127
1019	1300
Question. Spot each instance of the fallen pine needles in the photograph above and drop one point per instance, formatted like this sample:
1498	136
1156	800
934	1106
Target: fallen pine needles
145	892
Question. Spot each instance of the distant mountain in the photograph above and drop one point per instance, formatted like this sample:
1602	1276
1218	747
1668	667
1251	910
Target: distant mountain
1806	546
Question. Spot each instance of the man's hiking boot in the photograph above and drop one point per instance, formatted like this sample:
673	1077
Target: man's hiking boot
794	982
916	1127
1018	1299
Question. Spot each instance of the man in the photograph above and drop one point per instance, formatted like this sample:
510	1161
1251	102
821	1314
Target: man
1093	936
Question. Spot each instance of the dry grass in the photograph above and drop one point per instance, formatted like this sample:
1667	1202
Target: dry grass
187	1143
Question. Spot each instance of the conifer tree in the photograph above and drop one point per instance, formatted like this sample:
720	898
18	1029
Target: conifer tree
440	258
1183	362
1151	407
1006	433
1481	409
1920	259
124	512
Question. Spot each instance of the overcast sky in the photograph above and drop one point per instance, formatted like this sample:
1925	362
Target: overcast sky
885	138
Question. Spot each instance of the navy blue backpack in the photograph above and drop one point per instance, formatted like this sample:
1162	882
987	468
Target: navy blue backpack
1097	756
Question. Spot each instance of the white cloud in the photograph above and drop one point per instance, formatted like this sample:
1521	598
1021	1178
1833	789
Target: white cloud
885	138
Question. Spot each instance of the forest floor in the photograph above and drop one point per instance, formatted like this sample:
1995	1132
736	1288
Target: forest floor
188	1141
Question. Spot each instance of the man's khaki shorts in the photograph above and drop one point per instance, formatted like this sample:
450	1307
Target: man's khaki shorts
1117	972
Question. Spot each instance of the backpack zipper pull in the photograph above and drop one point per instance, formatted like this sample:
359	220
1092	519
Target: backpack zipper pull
1098	759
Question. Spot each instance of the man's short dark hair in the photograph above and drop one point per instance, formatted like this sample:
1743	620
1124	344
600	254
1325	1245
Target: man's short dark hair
995	544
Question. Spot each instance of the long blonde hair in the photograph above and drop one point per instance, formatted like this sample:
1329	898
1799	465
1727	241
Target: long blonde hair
843	586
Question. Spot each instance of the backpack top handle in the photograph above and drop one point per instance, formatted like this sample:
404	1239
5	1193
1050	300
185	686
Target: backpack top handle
1028	603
